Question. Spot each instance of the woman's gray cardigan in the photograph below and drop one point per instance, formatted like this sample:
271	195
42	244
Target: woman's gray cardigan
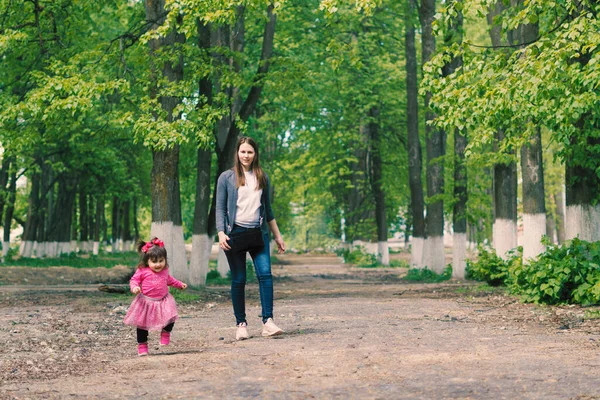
227	195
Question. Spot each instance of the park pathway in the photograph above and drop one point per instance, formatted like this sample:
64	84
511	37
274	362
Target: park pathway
350	334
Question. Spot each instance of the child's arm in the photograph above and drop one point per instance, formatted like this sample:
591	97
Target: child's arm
175	283
135	283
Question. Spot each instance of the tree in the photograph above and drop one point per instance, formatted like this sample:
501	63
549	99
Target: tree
414	142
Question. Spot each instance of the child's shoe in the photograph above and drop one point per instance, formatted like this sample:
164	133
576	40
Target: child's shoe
165	338
241	332
142	349
270	329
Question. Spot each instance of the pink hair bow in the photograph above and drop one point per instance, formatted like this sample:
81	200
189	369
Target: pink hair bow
151	243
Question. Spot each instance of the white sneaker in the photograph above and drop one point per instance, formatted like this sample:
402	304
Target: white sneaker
270	329
241	332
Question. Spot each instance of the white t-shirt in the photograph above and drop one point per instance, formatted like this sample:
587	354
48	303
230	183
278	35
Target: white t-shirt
248	202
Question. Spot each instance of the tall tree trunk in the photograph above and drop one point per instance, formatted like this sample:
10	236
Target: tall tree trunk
99	221
83	220
582	186
534	204
10	208
415	172
359	212
433	253
115	223
126	232
166	201
33	217
504	234
532	168
46	200
201	241
4	176
59	232
505	205
136	228
383	252
454	35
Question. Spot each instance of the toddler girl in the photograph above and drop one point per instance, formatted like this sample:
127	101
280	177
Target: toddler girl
154	307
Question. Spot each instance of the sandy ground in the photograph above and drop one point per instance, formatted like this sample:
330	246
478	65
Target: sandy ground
350	334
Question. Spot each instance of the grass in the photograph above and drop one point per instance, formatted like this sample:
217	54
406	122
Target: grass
105	260
428	276
591	314
214	278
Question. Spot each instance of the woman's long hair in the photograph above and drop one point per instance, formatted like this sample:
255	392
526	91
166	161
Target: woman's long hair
254	167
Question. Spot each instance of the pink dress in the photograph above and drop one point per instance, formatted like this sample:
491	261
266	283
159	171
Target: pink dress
154	308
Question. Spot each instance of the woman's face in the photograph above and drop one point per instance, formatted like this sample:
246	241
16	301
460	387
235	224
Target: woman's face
246	155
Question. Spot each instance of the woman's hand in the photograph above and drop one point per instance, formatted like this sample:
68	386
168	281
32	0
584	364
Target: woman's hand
223	238
136	290
280	245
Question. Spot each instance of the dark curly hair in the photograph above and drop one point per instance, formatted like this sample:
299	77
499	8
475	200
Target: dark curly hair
154	249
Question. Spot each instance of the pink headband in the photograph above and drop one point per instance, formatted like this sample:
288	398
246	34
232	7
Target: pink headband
151	243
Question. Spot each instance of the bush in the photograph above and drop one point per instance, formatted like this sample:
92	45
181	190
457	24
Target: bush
427	275
490	267
562	274
569	273
359	258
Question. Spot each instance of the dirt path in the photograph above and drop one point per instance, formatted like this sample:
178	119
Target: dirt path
350	334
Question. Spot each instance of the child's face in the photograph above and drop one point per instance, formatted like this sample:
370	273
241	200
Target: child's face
157	264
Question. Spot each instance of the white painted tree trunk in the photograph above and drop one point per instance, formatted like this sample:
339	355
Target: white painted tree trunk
433	254
201	249
383	253
172	236
222	263
127	245
416	252
583	221
73	246
534	227
52	249
96	249
63	248
459	255
504	236
39	249
26	249
5	248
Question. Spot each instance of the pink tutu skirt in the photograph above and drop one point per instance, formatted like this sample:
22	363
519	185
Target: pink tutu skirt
151	314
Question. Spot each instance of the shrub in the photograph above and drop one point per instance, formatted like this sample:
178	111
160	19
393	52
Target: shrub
427	275
562	274
491	268
359	258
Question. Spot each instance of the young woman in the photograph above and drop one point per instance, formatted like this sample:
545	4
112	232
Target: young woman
244	216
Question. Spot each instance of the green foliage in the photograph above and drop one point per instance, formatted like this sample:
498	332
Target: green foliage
568	273
214	278
184	296
359	258
562	274
103	260
428	276
489	267
550	82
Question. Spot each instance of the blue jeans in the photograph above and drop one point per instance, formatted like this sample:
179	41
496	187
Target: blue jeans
262	266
